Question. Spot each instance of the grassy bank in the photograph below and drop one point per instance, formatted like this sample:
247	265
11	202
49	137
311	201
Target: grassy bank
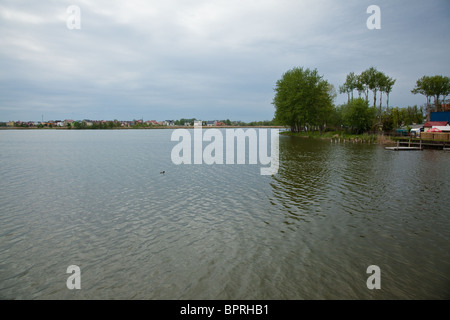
342	136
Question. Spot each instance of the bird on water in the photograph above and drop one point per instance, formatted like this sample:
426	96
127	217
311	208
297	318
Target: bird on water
162	172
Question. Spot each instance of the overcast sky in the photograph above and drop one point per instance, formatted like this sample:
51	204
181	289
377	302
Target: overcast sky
204	59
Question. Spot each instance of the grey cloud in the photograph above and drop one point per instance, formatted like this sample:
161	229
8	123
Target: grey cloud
205	59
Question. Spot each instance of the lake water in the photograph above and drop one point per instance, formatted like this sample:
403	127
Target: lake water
96	199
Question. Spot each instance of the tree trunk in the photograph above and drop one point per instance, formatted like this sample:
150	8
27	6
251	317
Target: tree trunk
381	99
374	98
436	103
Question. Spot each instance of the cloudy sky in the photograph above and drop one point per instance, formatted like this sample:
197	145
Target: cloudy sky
208	59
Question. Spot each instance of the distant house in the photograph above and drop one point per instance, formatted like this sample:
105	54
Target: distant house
431	124
211	123
10	124
88	122
198	123
169	122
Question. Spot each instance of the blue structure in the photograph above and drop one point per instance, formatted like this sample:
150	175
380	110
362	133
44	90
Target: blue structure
440	116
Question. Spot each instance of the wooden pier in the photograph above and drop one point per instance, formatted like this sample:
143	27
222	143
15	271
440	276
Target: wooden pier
403	148
419	144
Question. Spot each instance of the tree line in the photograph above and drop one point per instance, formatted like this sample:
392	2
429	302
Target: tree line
436	87
304	101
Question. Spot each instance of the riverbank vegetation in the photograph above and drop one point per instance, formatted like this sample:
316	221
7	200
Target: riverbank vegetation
335	135
304	102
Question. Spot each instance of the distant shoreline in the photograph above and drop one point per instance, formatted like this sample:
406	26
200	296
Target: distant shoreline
142	128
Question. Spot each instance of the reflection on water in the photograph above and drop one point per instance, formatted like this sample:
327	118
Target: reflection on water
352	205
96	199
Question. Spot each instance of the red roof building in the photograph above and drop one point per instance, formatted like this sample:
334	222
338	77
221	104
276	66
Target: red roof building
431	124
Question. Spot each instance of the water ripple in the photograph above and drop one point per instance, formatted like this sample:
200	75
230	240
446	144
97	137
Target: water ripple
96	199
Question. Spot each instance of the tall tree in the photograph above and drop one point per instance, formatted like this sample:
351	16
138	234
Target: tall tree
345	89
388	85
440	86
435	86
302	98
423	86
364	80
360	86
372	77
351	82
381	84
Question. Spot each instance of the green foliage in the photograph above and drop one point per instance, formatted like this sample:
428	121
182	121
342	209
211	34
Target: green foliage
79	125
406	116
183	122
261	123
435	86
358	115
370	79
302	98
351	83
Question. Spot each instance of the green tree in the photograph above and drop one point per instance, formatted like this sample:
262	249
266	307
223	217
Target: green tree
365	81
423	86
344	89
352	82
361	86
358	115
440	86
373	80
79	125
382	82
436	87
336	118
302	98
387	88
387	121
